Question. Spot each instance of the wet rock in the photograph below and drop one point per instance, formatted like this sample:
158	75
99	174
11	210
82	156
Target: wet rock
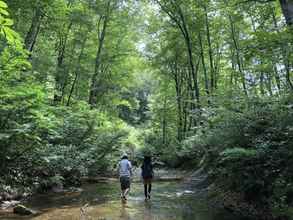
22	210
74	189
96	200
11	194
72	177
58	188
168	178
9	204
188	192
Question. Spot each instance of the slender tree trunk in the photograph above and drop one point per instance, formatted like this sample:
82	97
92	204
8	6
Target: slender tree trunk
177	16
185	118
77	71
203	65
274	63
262	91
60	78
269	84
285	53
164	123
188	101
287	8
190	56
67	74
179	109
212	69
217	66
178	85
31	36
238	56
101	35
287	69
277	77
233	66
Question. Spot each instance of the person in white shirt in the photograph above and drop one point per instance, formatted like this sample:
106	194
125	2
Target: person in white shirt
125	173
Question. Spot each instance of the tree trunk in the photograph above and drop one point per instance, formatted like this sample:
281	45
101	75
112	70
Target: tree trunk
77	71
101	35
190	55
287	9
287	69
233	67
181	23
277	77
60	78
269	84
203	65
238	57
164	123
217	66
178	84
285	54
261	79
31	36
212	69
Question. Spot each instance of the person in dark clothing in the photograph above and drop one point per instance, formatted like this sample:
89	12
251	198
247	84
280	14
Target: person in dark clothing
147	175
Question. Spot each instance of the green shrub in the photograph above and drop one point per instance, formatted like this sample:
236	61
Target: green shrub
253	153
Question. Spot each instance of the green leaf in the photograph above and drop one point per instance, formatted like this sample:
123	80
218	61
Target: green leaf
11	35
8	22
3	12
3	4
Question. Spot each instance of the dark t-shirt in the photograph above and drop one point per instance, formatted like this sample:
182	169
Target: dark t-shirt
147	170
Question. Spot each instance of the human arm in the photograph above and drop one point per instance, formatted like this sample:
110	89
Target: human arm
118	170
130	168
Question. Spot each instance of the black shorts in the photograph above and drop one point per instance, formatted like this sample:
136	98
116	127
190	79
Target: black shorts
125	182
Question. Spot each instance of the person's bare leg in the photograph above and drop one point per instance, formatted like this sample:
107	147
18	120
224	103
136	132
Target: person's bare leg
126	192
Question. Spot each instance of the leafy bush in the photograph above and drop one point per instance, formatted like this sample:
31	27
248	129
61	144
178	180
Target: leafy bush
252	152
40	142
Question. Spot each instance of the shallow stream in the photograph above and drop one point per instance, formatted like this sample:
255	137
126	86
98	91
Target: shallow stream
172	200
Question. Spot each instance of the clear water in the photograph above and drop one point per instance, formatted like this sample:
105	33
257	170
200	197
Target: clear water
170	201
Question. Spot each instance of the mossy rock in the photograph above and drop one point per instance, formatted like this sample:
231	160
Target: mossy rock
22	210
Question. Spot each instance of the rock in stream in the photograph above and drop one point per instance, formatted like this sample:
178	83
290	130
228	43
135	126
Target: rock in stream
22	210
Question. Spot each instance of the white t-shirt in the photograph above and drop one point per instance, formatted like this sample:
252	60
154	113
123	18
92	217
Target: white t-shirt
125	168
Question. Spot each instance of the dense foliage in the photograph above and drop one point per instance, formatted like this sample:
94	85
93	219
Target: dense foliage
224	95
49	136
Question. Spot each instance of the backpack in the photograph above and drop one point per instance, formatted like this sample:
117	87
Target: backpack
147	170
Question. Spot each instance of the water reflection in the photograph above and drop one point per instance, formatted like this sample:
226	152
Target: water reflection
124	212
147	213
127	211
